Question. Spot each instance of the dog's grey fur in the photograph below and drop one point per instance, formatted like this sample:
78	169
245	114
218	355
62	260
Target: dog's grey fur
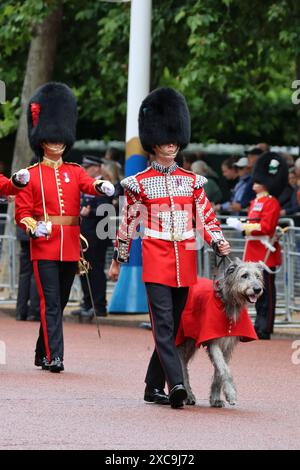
242	284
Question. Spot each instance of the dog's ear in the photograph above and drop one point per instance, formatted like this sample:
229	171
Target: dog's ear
237	260
231	268
260	265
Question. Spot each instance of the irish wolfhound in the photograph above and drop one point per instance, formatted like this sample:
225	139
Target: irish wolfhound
218	321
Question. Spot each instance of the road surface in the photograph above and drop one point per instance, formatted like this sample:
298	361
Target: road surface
98	402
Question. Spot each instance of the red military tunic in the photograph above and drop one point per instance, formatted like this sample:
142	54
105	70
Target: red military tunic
167	201
7	187
204	317
264	211
62	186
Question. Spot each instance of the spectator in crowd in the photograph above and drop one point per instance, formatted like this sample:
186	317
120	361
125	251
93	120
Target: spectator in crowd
229	171
287	197
113	173
115	155
188	160
96	253
28	303
292	205
242	193
212	189
297	167
289	159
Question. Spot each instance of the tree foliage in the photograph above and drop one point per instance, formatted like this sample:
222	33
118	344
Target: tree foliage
234	60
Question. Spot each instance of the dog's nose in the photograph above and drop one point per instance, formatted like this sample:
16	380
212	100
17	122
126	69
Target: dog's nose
257	290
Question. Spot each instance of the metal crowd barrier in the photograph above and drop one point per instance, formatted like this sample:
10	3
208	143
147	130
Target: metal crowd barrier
8	258
287	279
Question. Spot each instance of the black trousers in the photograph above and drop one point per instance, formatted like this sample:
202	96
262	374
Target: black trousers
27	291
54	280
265	306
166	305
95	255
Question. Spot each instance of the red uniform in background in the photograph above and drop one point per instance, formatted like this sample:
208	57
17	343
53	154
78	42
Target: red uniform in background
264	211
263	218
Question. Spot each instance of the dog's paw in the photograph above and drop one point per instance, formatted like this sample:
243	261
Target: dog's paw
230	398
217	403
191	400
231	402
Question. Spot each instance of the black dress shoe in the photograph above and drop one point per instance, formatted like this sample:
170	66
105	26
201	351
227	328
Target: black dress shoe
79	312
41	362
101	314
56	365
156	395
262	335
177	396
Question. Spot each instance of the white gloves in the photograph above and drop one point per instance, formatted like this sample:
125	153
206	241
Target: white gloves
22	177
41	230
235	223
107	188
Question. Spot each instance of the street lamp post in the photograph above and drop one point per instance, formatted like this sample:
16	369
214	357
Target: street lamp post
129	295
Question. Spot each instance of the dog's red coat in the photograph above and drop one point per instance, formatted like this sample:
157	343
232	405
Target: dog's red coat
204	317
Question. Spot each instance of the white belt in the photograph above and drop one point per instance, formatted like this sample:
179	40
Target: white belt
265	240
171	237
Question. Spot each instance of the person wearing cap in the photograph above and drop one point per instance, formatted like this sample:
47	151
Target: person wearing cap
241	196
97	247
48	209
252	156
270	177
168	199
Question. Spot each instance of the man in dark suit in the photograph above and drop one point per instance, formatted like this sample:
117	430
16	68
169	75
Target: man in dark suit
96	252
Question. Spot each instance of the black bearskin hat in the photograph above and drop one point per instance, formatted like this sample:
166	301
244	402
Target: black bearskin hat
271	171
164	118
52	116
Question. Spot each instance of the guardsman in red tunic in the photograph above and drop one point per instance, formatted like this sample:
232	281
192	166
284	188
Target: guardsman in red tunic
167	200
49	208
270	178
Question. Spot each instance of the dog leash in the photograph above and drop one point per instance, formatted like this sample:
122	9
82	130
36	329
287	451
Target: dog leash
218	261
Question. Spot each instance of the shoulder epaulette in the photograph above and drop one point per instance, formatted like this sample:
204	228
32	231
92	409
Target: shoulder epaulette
187	171
72	163
131	183
200	181
32	166
144	171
